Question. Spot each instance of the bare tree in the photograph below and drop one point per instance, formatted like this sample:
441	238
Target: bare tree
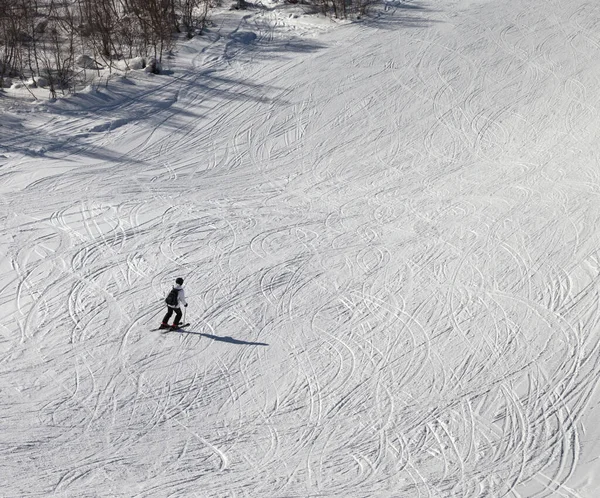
40	38
193	14
99	21
65	45
344	8
155	18
9	40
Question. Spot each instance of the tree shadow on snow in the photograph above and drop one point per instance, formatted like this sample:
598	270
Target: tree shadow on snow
245	43
124	103
19	136
227	339
398	14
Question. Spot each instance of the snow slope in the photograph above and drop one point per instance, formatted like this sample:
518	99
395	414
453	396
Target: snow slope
389	234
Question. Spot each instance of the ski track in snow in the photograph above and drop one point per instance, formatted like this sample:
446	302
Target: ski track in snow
389	236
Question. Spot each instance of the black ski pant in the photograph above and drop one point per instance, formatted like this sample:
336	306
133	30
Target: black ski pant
170	312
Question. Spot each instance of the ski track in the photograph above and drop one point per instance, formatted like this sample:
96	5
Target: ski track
388	232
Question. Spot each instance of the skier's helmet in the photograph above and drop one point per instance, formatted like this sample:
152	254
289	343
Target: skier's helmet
179	281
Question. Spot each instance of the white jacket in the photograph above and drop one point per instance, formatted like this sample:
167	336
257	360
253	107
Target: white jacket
180	297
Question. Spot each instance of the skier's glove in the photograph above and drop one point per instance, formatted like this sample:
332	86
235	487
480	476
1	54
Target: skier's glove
185	305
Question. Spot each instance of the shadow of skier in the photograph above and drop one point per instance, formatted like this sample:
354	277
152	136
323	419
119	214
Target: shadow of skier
227	339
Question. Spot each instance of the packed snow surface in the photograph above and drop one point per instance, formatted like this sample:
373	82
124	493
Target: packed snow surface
389	233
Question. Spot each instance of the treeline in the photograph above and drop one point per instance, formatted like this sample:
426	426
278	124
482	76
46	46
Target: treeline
55	41
342	8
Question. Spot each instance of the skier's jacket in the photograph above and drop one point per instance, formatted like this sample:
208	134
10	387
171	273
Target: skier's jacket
180	297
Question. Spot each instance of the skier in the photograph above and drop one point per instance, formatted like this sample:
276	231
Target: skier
174	301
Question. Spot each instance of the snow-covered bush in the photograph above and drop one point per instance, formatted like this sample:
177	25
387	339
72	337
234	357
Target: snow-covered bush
134	64
86	62
37	82
153	66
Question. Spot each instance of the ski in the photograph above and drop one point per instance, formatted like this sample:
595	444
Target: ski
171	329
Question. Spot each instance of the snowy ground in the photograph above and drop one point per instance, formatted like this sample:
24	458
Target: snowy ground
389	234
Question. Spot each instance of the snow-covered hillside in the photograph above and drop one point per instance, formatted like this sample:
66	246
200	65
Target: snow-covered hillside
389	236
